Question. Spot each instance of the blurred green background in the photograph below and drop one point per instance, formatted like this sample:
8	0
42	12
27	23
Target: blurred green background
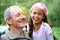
53	11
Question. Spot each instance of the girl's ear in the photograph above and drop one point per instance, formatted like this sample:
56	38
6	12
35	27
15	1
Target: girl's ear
8	21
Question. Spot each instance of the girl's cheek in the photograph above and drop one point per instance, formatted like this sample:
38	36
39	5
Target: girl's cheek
31	14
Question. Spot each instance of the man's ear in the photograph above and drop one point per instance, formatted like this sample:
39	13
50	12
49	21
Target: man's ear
8	21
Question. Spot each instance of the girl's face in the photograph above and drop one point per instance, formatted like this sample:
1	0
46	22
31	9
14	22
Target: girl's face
37	15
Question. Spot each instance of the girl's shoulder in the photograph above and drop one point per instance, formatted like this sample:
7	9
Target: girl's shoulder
47	28
46	25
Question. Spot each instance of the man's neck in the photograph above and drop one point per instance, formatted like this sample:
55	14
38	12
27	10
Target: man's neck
16	30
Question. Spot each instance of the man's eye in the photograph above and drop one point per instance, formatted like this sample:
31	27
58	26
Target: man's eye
23	13
18	14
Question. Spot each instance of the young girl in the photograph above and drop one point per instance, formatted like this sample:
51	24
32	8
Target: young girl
39	28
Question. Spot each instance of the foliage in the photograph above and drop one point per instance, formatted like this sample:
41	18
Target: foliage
54	13
56	31
3	5
52	5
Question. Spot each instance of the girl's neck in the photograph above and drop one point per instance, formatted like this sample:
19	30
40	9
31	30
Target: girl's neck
37	26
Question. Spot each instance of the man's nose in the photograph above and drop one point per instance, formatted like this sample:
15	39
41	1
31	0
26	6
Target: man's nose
23	16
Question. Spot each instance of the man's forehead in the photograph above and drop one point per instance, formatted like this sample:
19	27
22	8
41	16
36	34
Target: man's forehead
16	10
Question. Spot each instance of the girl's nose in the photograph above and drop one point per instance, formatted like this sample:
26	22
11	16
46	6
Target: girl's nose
36	15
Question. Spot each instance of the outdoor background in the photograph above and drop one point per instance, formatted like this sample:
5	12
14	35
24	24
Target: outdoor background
53	11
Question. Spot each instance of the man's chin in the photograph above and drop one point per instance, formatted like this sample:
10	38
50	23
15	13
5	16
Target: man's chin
23	25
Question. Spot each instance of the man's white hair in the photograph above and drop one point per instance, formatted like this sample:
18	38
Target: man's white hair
7	13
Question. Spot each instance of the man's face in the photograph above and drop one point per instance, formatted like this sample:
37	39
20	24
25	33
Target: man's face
18	18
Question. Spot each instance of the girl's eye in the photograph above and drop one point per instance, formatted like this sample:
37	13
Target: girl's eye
34	12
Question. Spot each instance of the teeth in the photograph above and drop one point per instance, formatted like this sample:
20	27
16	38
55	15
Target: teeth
22	21
36	19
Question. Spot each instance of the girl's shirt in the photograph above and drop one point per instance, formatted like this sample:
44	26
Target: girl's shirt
44	33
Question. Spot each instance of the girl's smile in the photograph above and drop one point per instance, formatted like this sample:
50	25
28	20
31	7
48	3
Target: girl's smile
37	15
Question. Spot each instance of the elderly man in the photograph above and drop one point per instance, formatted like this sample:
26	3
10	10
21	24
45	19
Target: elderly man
16	20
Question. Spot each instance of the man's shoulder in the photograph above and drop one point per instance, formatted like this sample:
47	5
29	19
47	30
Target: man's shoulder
26	35
4	37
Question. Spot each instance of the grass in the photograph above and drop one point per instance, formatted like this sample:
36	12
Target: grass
56	31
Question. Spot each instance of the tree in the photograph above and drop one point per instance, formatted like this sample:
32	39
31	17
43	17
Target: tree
3	5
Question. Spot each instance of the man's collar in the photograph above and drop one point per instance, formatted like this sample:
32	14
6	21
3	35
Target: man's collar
12	35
